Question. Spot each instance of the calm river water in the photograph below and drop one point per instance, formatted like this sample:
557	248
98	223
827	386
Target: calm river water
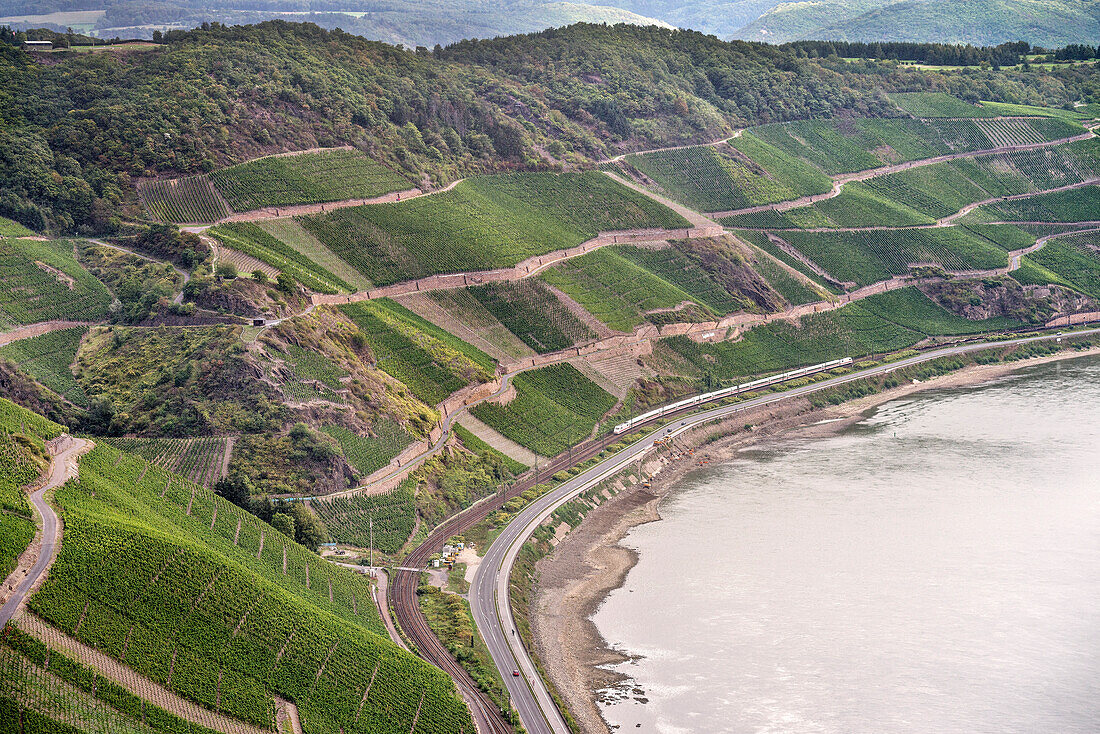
935	568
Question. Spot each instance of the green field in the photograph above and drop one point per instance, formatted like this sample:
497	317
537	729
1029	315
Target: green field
483	223
325	263
306	178
48	358
190	200
1074	259
867	257
882	323
528	309
349	518
253	240
43	281
938	104
1075	205
935	191
226	611
371	452
747	172
432	363
554	408
795	291
198	459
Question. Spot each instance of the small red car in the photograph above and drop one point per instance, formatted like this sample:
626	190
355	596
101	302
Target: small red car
515	673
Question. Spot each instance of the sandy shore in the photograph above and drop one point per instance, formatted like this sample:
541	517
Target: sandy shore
589	562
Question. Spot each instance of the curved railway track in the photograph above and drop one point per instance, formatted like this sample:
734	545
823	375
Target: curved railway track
488	717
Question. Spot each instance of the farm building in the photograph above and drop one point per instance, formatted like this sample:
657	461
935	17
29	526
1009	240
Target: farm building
38	45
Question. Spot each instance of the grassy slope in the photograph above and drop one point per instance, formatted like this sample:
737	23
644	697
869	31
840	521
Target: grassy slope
532	313
253	240
937	104
136	573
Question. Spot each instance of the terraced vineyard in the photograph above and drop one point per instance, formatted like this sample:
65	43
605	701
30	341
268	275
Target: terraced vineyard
200	460
306	178
554	408
747	173
618	285
847	146
938	104
190	200
48	358
870	256
41	690
859	205
349	518
43	281
429	361
370	453
483	223
1076	205
528	309
881	323
221	608
253	240
1074	260
477	446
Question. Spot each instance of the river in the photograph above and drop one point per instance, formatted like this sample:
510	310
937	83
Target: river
933	568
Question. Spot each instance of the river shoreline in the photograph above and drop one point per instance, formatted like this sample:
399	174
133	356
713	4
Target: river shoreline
589	562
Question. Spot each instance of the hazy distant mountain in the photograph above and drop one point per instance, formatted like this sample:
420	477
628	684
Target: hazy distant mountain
1048	23
428	22
409	22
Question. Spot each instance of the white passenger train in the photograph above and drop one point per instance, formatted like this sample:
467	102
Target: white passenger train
733	390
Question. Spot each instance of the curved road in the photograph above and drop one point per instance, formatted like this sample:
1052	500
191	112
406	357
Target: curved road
489	592
63	467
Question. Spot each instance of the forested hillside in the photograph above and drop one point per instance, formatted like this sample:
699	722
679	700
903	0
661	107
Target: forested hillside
75	135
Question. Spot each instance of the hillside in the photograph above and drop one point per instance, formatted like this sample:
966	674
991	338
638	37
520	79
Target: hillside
476	261
980	22
425	117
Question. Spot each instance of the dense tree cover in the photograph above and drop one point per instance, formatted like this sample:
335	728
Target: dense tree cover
1006	54
77	130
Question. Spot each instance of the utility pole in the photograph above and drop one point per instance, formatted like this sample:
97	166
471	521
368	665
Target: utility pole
371	521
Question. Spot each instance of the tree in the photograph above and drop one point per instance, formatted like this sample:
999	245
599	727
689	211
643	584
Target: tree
236	487
227	271
284	523
259	276
285	282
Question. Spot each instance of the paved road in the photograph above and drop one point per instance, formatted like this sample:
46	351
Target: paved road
62	468
489	591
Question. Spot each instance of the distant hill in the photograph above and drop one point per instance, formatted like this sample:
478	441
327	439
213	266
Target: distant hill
1049	23
410	22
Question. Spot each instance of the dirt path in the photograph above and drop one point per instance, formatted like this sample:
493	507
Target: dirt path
65	452
42	327
844	178
381	600
621	156
132	681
